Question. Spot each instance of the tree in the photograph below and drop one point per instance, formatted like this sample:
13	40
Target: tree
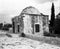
7	26
52	15
52	19
57	24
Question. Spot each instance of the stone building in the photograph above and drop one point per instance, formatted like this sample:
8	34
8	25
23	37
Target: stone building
30	21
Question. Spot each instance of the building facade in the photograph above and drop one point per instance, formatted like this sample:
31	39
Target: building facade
30	21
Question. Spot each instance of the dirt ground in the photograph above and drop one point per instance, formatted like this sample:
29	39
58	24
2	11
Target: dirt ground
28	42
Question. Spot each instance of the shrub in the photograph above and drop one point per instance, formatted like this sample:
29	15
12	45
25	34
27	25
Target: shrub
49	34
46	34
22	35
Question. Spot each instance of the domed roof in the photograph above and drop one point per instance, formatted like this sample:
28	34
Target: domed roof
30	10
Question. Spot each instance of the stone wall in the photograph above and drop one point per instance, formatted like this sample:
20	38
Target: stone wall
27	23
30	21
45	23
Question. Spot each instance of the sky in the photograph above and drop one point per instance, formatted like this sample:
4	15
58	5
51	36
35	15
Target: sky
11	8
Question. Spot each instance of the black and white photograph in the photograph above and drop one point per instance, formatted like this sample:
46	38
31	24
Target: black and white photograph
29	24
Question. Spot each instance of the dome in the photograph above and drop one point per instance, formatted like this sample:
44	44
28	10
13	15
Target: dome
30	10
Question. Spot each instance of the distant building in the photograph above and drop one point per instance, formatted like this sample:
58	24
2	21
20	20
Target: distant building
31	21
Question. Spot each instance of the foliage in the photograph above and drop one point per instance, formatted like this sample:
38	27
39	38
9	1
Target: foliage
22	34
6	27
57	26
52	15
49	34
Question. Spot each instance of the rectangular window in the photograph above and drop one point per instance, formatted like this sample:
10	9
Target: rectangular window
18	28
37	29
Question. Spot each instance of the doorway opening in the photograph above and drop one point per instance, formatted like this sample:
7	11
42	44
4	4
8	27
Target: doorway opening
18	28
13	27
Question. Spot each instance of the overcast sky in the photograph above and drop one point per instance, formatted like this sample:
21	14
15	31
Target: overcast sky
11	8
